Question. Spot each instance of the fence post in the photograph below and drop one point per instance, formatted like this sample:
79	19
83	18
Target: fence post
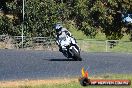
106	48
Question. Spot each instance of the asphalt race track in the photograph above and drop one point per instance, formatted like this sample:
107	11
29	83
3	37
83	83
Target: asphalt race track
20	64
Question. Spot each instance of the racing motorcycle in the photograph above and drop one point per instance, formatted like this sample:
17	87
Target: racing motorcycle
70	48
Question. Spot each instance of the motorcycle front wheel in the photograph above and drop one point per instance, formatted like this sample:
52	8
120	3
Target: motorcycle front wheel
76	55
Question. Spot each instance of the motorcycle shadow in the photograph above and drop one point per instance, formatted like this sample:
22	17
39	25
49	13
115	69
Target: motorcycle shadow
61	60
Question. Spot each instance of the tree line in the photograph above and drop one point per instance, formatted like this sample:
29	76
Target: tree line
89	16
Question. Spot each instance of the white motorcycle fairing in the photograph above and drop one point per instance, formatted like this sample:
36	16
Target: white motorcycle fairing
65	41
69	47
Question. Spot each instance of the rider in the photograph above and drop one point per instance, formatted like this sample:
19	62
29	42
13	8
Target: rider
60	30
61	33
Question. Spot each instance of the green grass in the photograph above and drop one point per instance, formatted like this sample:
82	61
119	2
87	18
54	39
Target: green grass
122	47
100	46
98	43
78	34
92	46
75	84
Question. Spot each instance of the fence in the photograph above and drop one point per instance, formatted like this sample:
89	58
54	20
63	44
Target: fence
105	46
46	43
38	43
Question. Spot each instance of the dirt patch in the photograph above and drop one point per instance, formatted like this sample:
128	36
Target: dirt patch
2	45
27	82
18	83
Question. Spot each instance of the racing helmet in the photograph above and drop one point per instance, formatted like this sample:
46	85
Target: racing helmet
58	27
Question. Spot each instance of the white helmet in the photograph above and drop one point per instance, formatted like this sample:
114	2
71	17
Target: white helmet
58	27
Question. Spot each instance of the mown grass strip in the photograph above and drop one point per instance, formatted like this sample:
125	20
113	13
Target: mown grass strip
67	83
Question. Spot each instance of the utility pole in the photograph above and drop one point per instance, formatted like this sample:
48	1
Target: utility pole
23	22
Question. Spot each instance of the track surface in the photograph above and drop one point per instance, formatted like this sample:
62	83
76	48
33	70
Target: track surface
20	64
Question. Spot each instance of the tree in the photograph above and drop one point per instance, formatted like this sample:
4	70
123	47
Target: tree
107	14
89	16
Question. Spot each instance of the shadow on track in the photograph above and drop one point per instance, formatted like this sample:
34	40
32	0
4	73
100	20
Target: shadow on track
61	60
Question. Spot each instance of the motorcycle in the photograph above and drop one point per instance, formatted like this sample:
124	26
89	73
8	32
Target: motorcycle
69	48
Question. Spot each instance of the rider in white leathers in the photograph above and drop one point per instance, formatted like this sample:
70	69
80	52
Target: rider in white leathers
61	34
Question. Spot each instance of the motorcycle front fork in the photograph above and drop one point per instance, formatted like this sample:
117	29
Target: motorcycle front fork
67	54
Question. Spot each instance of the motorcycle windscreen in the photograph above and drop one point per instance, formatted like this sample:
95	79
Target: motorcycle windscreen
64	40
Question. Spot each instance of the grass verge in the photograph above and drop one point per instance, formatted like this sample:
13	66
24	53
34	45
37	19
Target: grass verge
63	83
